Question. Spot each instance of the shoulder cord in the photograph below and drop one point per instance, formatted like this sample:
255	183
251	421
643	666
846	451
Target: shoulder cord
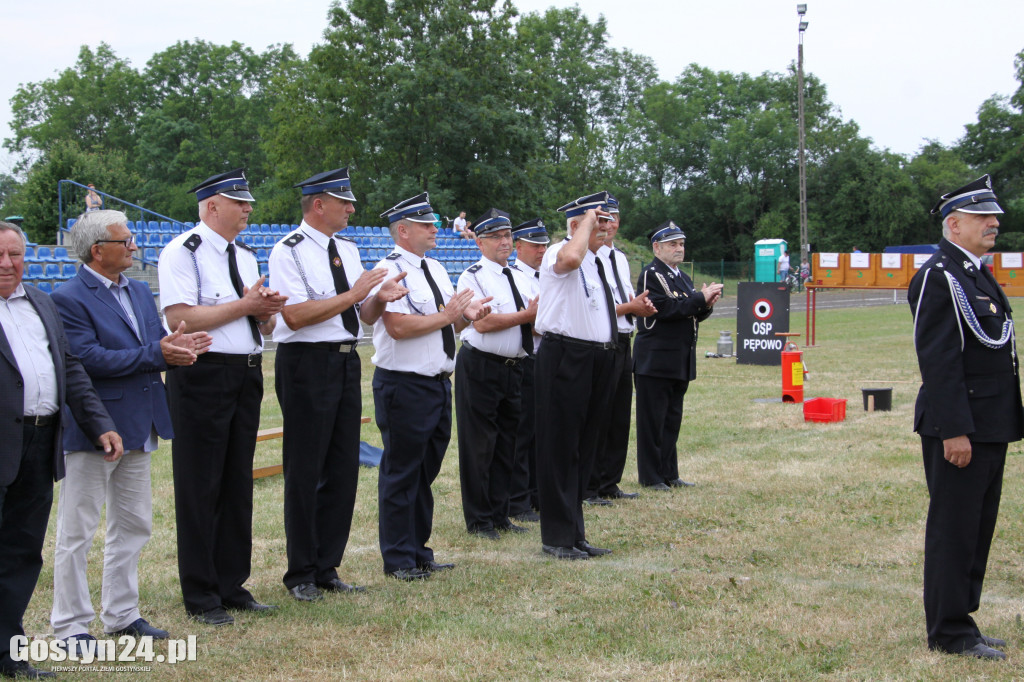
199	282
302	274
583	282
649	322
408	298
962	308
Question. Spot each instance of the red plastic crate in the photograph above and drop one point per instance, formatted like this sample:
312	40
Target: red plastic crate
825	410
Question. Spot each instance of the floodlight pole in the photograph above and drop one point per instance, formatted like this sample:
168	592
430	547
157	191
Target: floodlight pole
801	10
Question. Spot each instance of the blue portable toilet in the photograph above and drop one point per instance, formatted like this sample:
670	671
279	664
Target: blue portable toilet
766	259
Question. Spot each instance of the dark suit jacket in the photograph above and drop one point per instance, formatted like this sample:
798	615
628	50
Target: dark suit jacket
125	370
73	389
967	388
666	342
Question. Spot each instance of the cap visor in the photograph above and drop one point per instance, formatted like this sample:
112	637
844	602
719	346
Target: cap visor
239	194
981	207
342	194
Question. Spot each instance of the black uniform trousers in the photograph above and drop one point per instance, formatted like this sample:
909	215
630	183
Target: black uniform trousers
523	482
24	513
961	520
612	450
321	402
659	414
414	415
487	405
215	411
573	396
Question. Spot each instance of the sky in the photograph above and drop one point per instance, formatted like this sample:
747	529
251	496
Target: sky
901	69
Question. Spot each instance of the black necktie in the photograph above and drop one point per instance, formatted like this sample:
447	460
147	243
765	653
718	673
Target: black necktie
536	275
348	315
447	332
525	329
618	283
608	299
236	282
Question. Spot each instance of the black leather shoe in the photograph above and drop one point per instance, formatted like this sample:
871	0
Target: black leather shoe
489	534
433	567
680	483
409	574
591	550
993	642
567	553
336	585
215	617
306	592
513	528
657	486
597	502
980	650
251	605
619	494
140	628
23	671
528	517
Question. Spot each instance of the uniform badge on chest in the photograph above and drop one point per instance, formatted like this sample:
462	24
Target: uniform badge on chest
336	262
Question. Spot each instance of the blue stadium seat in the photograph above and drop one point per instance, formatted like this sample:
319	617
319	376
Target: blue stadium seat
71	221
154	226
45	287
264	269
44	255
68	270
58	284
166	226
60	253
30	254
35	271
150	255
165	239
51	271
262	255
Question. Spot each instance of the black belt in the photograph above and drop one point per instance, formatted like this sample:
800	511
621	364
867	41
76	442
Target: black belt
40	419
251	360
437	377
329	346
599	345
510	362
624	337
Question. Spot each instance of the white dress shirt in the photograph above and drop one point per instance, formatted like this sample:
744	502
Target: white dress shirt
211	285
303	273
31	347
572	304
489	280
607	253
423	354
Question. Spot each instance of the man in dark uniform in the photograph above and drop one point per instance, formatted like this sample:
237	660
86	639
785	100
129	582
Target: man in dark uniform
317	382
531	241
414	351
968	409
211	282
489	377
665	356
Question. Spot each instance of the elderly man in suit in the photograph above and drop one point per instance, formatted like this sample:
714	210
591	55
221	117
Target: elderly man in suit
39	375
968	409
113	326
665	356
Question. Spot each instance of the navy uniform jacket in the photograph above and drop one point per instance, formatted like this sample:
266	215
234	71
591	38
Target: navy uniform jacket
666	342
124	369
967	388
73	389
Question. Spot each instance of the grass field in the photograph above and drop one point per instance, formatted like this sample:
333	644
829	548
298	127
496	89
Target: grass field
797	556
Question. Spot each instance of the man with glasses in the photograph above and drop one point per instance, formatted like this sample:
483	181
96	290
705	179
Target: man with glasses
113	327
414	344
489	377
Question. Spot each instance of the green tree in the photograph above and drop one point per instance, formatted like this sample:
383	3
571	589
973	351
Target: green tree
96	103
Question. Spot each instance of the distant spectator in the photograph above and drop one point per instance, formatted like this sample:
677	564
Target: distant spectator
459	225
805	272
783	266
93	201
855	250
